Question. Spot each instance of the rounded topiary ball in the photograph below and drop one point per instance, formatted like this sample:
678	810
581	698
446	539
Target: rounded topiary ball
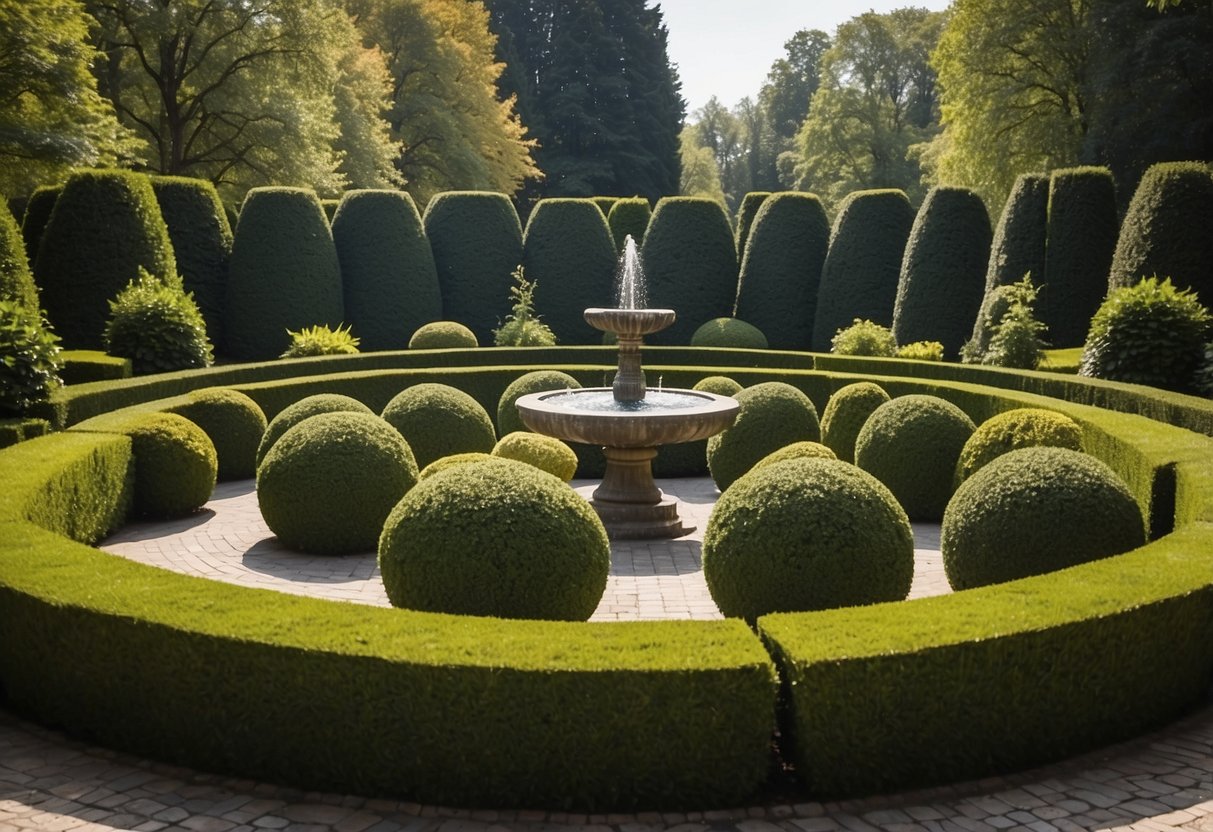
806	534
235	424
729	332
720	385
175	465
1036	510
306	408
442	463
442	335
1024	427
911	444
537	381
544	452
498	538
438	420
797	450
328	484
772	414
845	413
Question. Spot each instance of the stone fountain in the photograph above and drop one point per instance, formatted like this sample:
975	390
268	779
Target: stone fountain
629	420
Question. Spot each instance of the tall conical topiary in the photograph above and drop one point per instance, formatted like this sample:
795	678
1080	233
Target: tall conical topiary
37	214
569	256
861	269
105	227
781	269
283	275
943	270
16	280
1168	230
1081	240
746	214
629	216
691	265
477	243
388	277
202	243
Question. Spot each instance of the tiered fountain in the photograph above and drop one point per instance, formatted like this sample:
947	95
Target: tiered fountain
628	420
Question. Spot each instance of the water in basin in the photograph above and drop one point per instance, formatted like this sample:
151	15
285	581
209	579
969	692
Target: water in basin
655	401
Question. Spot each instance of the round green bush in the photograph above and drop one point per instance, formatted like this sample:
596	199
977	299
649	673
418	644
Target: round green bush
442	335
235	424
797	450
438	420
284	273
30	359
158	327
544	452
729	332
1036	510
781	269
442	463
629	217
746	212
328	483
1024	427
536	381
806	534
498	538
912	444
477	243
772	414
305	408
37	214
175	465
845	414
388	276
860	273
720	385
16	279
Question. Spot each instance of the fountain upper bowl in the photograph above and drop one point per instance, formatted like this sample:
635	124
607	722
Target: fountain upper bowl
560	413
629	323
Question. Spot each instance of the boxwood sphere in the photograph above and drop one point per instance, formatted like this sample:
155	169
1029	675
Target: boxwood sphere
175	465
772	414
806	534
544	452
720	385
442	335
499	538
235	424
438	420
328	484
306	408
1036	510
442	463
845	413
911	444
797	450
1024	427
537	381
729	332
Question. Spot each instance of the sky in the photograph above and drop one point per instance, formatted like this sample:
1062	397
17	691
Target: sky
725	47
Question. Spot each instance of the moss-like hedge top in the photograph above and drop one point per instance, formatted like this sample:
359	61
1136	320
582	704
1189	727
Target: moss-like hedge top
746	212
629	217
303	409
16	279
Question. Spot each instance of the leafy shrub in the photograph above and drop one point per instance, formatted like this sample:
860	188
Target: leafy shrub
864	338
1149	333
921	351
746	212
158	327
284	273
499	538
388	278
729	332
1023	332
720	385
1016	341
306	408
567	250
806	534
772	414
1024	427
845	414
442	335
522	327
912	445
321	340
16	280
544	452
1036	510
862	267
536	381
328	483
29	358
781	269
629	217
443	463
37	214
175	465
797	450
235	424
438	420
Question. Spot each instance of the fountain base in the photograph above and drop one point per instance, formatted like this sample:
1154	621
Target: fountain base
628	501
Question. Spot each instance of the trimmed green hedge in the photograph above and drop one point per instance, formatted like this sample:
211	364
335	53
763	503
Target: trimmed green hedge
18	429
746	213
388	278
16	279
629	216
477	243
84	366
781	269
862	267
1019	243
37	214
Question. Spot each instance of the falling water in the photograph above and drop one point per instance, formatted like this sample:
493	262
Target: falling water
630	278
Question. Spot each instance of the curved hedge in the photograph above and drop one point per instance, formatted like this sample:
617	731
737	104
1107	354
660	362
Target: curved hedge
16	279
1082	238
569	256
1160	235
388	279
781	269
691	265
629	217
283	275
37	214
746	213
105	226
477	243
941	286
862	267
